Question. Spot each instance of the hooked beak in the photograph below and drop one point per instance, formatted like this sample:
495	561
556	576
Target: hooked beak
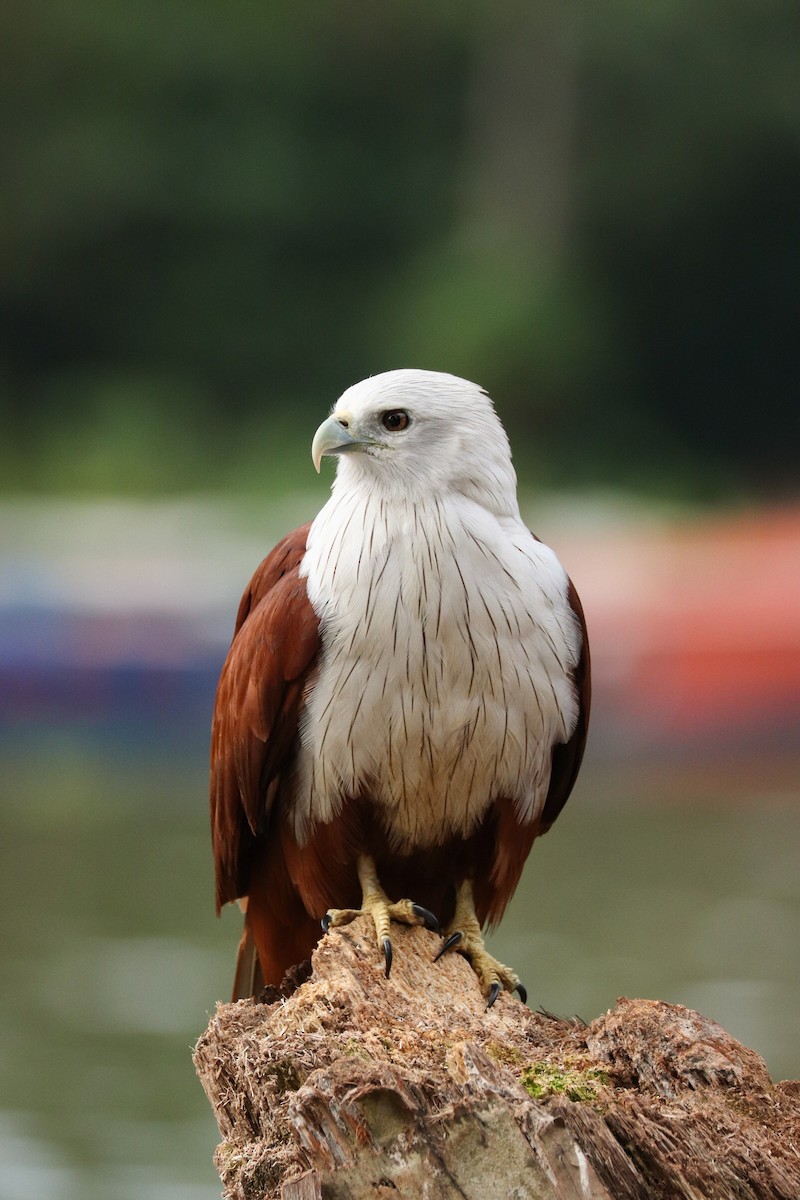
333	437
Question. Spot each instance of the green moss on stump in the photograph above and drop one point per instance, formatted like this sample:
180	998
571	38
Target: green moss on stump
544	1079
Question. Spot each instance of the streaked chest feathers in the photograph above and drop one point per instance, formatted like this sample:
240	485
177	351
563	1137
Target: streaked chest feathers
444	676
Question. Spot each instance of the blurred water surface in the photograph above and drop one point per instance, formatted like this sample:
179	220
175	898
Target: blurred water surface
113	959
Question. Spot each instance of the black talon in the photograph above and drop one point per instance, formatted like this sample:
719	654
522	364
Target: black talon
427	918
522	992
453	940
387	954
494	992
326	922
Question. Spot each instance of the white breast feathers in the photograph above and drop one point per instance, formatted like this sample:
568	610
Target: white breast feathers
445	676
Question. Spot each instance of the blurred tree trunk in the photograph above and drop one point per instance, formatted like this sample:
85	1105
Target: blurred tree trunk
357	1087
521	127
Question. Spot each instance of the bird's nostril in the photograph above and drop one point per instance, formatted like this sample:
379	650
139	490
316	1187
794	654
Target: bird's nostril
344	424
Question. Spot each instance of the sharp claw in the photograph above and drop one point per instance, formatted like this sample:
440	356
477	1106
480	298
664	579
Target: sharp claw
387	954
494	992
453	940
522	992
427	918
326	922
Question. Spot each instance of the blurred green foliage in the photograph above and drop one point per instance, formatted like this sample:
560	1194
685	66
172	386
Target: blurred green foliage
215	216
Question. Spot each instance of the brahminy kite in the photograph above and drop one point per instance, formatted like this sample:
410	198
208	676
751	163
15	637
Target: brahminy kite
404	706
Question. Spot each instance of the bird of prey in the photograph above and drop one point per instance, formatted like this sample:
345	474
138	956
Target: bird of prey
404	706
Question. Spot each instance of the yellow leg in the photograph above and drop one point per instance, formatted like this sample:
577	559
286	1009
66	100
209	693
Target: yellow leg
464	935
383	911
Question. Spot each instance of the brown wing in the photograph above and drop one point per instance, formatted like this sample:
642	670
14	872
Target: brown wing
259	697
567	756
511	840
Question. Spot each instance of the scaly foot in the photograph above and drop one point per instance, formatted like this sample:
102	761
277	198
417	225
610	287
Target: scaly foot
464	935
383	911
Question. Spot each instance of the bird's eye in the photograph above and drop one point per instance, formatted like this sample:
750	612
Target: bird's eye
395	420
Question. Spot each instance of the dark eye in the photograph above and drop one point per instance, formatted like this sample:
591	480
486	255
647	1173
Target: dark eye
395	420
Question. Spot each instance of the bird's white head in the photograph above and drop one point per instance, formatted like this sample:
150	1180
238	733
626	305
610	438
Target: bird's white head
420	433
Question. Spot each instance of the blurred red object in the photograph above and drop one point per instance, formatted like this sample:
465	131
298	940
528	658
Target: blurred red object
695	628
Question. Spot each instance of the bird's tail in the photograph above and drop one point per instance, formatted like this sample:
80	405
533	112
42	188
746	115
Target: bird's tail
248	980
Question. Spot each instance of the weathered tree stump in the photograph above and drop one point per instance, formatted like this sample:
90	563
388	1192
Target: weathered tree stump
355	1086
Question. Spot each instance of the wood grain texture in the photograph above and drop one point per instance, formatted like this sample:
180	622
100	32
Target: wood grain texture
356	1086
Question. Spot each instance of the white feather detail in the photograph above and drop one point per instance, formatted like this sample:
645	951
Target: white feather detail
447	647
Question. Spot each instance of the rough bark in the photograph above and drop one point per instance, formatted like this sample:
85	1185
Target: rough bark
352	1087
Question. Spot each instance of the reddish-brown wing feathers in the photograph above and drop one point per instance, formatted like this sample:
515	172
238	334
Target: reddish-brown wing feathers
259	696
567	756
